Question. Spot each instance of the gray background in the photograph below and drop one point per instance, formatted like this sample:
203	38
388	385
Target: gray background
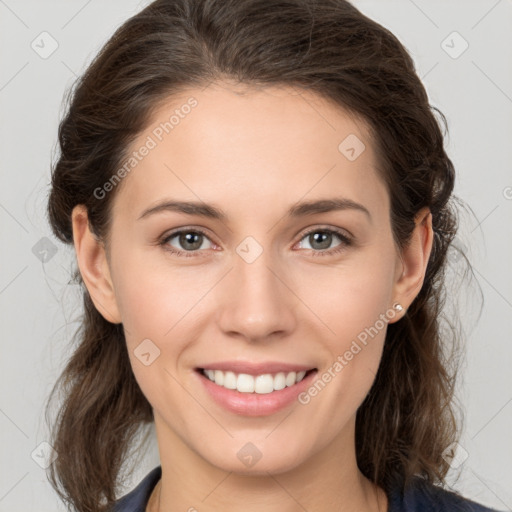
39	311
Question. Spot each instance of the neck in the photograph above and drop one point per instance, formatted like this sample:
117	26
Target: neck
328	480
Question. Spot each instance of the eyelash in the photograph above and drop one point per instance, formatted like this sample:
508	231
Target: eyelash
345	239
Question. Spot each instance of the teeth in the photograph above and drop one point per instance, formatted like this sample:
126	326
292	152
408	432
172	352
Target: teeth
229	380
249	384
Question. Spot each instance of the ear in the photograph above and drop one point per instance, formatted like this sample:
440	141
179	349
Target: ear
412	262
93	265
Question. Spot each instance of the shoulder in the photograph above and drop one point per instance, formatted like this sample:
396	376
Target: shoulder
137	499
421	496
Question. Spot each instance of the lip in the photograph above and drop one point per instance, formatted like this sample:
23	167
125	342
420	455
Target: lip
254	404
255	368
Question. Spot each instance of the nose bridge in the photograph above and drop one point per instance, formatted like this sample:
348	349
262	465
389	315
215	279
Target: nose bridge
257	302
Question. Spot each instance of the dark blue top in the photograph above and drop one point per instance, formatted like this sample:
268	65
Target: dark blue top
420	497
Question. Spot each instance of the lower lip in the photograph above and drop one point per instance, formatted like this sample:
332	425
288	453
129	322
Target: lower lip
255	404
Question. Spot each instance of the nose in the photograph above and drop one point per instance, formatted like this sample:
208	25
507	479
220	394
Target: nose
255	301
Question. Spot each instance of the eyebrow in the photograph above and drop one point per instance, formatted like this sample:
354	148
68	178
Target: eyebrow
297	210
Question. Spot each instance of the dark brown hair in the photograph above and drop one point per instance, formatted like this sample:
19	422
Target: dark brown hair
327	47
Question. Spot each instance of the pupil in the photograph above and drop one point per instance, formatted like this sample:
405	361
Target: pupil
188	238
325	236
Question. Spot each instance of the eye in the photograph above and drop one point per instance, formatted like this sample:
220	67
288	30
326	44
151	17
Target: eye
190	240
320	239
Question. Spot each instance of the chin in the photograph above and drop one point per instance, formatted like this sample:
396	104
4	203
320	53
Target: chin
250	460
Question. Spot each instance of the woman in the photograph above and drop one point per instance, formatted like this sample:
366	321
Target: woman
207	150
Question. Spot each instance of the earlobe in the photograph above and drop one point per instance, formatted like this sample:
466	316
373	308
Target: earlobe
93	265
414	258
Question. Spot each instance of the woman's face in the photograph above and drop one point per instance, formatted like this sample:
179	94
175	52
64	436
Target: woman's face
260	275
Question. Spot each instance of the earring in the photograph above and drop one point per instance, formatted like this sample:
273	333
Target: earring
398	307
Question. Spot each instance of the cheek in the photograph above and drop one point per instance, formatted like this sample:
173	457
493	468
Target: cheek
159	305
141	309
352	355
154	314
355	309
351	297
149	299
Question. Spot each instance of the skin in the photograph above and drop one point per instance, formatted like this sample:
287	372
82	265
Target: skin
254	153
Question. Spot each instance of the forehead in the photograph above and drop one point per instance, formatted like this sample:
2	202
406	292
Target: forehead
245	146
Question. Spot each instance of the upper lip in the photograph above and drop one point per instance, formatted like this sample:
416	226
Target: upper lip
256	368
